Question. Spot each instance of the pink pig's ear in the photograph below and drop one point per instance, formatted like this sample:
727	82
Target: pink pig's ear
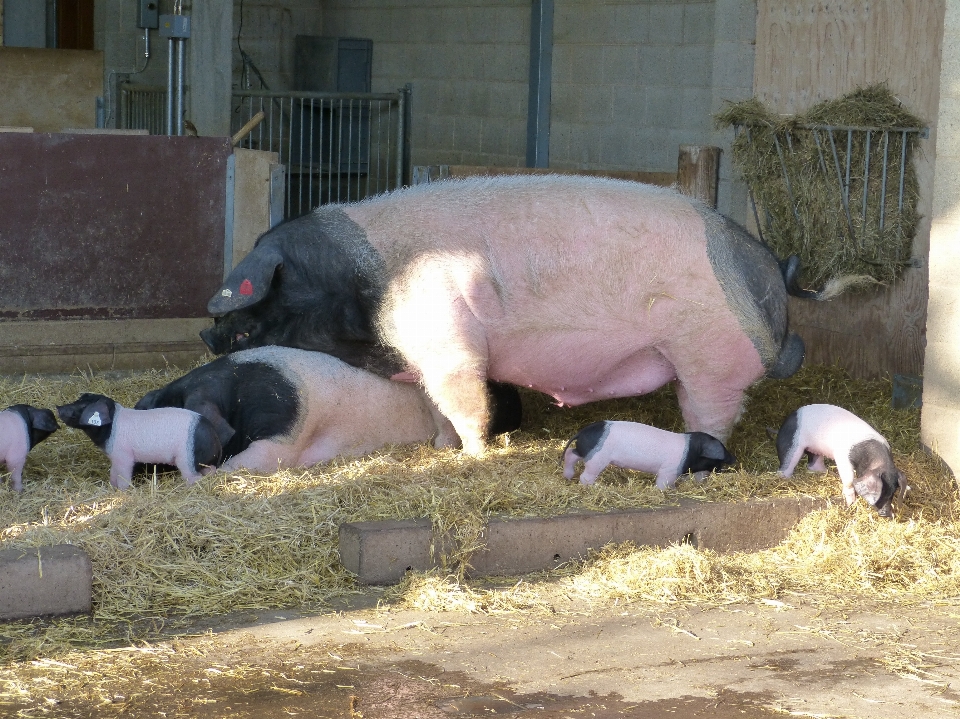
96	414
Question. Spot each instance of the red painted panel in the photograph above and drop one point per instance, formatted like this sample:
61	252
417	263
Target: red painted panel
101	226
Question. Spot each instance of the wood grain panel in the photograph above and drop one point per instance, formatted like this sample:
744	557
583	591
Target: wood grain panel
813	50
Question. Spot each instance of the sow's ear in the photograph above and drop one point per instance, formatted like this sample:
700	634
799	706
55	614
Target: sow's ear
249	282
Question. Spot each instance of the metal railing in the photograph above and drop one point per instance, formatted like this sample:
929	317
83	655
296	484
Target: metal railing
337	147
143	107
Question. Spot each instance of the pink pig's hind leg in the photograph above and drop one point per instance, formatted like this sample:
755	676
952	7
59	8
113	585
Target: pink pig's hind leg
262	455
815	462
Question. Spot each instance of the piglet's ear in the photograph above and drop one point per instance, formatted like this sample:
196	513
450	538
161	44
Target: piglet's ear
96	415
43	420
248	283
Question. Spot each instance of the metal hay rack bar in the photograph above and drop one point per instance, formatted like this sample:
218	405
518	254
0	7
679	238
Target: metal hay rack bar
838	168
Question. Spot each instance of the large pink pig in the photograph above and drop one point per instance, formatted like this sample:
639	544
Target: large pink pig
582	288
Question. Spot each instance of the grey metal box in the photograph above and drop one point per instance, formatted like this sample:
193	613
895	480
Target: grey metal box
332	64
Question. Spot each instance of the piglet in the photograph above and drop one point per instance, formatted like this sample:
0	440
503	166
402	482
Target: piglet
862	455
168	435
22	428
632	445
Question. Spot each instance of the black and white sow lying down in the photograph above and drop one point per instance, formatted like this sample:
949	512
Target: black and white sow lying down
632	445
279	407
862	455
169	436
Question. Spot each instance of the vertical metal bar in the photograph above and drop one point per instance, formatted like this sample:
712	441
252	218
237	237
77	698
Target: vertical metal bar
846	184
310	166
541	70
823	164
290	163
401	131
181	81
866	181
350	171
883	180
903	168
753	199
843	196
169	109
786	178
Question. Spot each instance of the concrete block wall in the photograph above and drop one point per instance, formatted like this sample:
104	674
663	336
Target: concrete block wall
468	63
631	80
940	417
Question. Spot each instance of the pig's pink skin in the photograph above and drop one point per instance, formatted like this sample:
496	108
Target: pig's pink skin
161	436
350	412
826	430
632	445
14	446
550	292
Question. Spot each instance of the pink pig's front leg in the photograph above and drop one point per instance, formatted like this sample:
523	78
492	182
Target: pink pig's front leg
121	470
847	475
16	475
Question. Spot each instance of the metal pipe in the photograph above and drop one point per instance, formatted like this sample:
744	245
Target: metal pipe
169	109
883	180
181	81
843	195
866	181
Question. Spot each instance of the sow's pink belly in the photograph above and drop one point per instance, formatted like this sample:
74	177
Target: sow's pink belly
577	372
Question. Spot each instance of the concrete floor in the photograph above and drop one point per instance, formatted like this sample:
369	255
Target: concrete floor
758	660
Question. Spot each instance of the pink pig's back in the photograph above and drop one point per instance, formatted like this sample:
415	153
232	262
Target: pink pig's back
826	428
585	287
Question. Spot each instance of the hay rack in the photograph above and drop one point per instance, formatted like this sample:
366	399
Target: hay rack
836	185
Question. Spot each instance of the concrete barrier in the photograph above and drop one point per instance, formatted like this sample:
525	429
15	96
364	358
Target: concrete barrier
381	552
44	581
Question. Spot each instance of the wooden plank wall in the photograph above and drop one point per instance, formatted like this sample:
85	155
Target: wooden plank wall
812	50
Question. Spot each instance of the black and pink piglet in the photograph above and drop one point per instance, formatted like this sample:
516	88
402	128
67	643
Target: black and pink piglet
22	428
168	435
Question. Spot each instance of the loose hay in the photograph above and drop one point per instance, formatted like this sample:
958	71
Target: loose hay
164	553
805	215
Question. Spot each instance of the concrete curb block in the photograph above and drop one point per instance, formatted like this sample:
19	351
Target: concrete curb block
44	581
381	552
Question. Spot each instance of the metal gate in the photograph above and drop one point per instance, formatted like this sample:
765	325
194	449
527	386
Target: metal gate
336	147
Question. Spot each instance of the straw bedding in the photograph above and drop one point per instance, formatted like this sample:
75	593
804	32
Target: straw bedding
163	552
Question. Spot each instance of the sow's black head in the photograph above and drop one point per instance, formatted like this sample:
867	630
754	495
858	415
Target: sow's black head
313	283
878	480
41	423
706	453
92	413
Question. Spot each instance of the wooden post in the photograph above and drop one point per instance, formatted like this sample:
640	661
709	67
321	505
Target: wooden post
698	169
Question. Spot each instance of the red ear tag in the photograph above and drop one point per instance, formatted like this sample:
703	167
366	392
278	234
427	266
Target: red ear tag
246	287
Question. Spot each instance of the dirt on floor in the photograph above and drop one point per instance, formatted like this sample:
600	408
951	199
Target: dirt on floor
756	660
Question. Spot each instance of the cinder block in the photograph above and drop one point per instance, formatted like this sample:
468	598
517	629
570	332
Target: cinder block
380	552
44	581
